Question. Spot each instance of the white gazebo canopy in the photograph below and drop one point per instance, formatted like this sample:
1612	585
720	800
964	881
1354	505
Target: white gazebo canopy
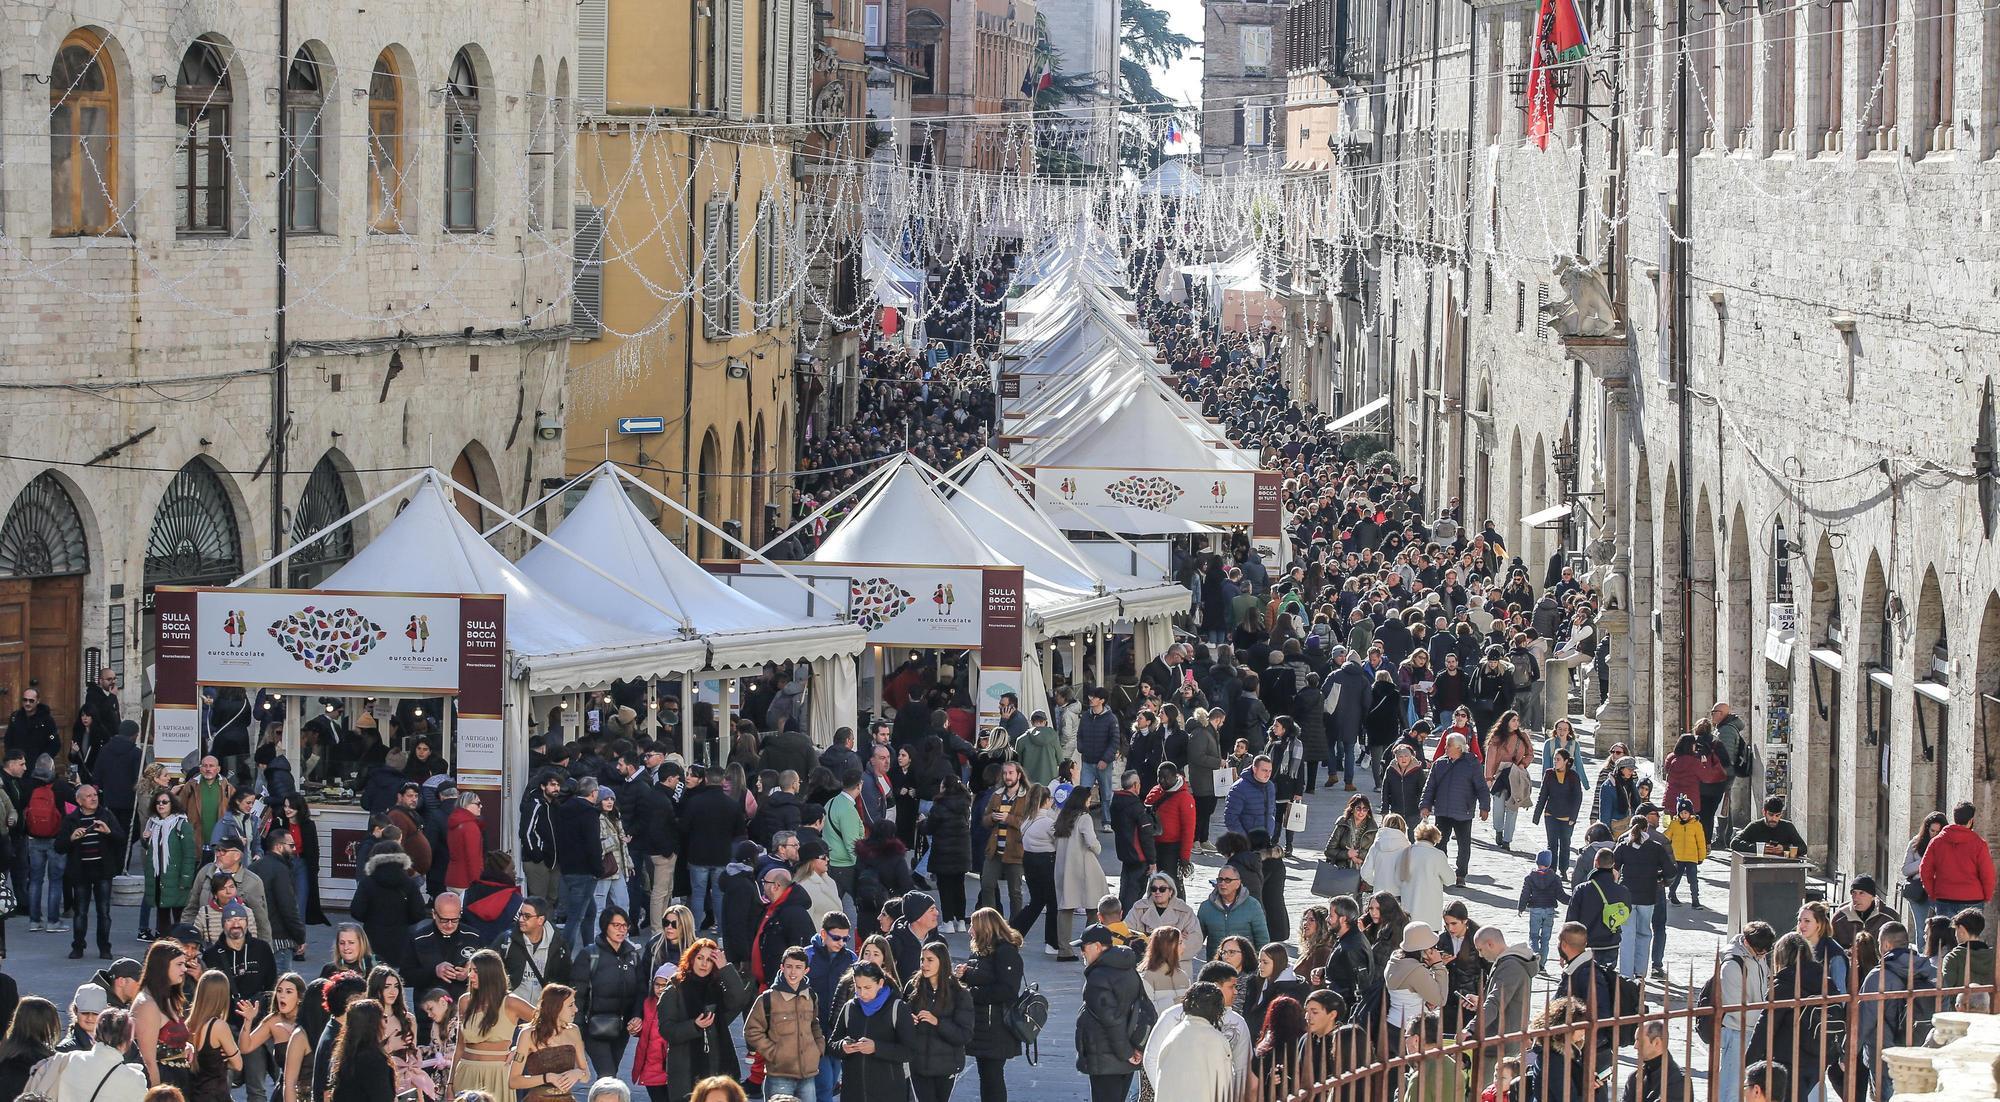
555	645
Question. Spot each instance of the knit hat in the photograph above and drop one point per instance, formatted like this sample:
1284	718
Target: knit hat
1683	804
1545	858
235	909
1863	883
916	905
811	850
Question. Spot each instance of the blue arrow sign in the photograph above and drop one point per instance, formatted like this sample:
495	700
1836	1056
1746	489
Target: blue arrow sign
633	426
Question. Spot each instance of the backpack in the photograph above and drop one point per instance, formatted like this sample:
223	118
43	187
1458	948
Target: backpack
1613	915
1368	1014
1631	999
1704	1024
1026	1018
42	817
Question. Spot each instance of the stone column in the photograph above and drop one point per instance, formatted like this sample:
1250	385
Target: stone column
1614	715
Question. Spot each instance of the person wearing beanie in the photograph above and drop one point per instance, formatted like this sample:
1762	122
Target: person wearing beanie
1864	910
917	926
1541	892
1689	841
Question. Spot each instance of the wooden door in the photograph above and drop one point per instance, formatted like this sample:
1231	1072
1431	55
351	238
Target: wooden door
13	642
55	639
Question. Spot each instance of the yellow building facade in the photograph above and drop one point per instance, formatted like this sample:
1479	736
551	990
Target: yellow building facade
689	114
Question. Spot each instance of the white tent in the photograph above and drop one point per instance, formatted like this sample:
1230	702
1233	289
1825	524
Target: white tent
904	521
554	646
1138	429
895	283
607	530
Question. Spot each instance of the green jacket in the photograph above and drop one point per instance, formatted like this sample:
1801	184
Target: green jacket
843	830
1730	735
1981	956
1041	754
1436	1078
183	856
1360	636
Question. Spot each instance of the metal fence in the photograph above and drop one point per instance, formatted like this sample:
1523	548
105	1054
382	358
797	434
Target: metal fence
1586	1051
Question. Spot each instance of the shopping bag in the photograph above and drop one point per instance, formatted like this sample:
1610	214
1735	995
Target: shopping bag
1295	819
1330	880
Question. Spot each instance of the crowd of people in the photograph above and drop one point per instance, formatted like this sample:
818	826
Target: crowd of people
807	921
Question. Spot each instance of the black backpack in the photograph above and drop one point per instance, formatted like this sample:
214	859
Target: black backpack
1025	1020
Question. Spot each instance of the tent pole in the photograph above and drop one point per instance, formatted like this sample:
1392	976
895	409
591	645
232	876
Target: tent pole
1009	466
687	716
1032	538
712	530
872	476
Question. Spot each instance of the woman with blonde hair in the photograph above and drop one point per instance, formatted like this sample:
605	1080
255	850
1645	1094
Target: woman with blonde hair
993	976
676	934
1166	971
547	1061
215	1050
488	1015
351	952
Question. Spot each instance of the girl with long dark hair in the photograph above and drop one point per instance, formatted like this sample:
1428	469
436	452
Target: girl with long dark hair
361	1070
941	1024
547	1062
157	1030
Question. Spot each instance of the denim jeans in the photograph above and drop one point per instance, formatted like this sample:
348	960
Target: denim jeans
1504	815
87	892
1635	944
1660	932
829	1078
45	881
805	1090
1102	778
1729	1065
577	889
704	882
1541	920
609	893
1559	835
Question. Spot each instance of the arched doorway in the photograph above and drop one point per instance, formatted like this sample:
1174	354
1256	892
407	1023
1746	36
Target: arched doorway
1985	690
760	494
1673	623
195	539
323	501
1643	596
1817	726
708	501
44	556
465	472
1930	682
1873	651
1701	613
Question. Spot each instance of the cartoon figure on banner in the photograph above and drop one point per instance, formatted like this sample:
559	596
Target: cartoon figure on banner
1219	490
418	632
236	627
1068	488
943	596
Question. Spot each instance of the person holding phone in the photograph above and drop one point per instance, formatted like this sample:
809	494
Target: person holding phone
872	1034
702	997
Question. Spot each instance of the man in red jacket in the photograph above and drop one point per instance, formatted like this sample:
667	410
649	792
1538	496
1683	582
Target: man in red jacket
1957	870
1172	802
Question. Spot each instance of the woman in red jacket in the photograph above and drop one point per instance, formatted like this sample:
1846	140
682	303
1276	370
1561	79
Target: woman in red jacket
1687	769
465	840
1172	802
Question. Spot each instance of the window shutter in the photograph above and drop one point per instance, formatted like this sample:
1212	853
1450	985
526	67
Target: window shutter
732	303
734	103
778	62
714	292
593	29
802	61
586	307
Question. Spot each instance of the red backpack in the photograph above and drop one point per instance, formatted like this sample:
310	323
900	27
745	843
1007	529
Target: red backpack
43	818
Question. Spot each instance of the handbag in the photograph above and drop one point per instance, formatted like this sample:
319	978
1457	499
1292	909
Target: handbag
1913	890
606	1028
1330	880
1295	816
8	903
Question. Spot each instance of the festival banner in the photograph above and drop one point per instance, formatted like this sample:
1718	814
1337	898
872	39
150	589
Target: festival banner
1211	497
1002	632
1268	513
899	605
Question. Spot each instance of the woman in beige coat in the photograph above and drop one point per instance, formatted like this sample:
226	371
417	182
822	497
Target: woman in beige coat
1080	879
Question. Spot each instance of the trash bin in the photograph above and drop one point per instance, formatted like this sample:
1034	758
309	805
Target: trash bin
1766	889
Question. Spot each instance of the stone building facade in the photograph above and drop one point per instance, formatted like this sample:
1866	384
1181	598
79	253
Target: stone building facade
1824	459
1242	86
428	315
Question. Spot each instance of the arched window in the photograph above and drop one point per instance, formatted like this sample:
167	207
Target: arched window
461	146
201	159
385	146
83	151
305	102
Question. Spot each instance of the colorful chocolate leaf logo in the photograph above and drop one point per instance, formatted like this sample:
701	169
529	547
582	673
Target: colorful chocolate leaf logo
1144	492
876	601
327	640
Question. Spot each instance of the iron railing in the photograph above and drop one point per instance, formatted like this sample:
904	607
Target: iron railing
1377	1067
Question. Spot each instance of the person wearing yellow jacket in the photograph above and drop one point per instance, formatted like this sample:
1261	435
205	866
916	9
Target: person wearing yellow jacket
1690	845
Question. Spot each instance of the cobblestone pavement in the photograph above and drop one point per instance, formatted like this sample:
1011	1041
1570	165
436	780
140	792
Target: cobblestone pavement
39	964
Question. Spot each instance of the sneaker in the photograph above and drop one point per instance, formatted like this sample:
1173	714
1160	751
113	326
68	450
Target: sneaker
1051	951
1459	881
35	925
1106	828
145	936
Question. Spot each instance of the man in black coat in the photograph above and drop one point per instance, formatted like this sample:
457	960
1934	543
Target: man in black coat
840	757
711	822
916	929
94	843
1132	838
115	770
100	699
782	750
579	860
787	921
1592	898
1116	1017
742	905
32	728
1348	690
281	892
1349	969
658	824
442	954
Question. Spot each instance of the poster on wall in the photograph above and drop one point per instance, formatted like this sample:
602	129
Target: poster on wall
327	641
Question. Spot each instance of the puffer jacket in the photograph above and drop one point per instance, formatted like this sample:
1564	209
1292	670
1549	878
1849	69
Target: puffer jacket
1688	839
783	1027
951	834
1957	866
1175	810
1204	755
1116	1015
1097	736
387	903
610	981
1252	808
939	1049
1220	920
995	983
